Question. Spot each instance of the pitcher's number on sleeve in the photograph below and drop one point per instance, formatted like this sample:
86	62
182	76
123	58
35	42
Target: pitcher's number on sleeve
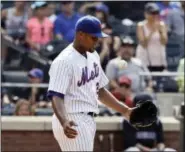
97	87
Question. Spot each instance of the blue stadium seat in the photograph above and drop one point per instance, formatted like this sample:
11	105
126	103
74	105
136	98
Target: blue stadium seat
15	76
7	110
44	112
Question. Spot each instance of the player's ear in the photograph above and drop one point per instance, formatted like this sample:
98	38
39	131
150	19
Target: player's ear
80	35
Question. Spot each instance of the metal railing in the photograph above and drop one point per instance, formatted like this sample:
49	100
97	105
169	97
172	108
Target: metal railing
24	85
167	74
45	85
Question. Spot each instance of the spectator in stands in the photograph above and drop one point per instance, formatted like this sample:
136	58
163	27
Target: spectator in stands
175	21
165	7
152	36
180	79
144	139
36	95
124	93
15	19
24	108
114	70
64	26
51	11
85	8
102	12
39	27
108	47
103	48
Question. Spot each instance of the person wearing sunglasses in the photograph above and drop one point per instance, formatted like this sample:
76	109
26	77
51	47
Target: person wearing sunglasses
152	37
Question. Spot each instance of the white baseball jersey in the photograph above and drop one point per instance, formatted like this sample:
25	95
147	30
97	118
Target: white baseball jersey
78	78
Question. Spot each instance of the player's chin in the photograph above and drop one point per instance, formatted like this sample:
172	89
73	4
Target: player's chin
91	50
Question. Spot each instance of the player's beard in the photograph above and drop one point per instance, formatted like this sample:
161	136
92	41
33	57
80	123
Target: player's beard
91	50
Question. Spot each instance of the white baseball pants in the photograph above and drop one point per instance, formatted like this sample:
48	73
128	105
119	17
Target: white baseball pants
86	132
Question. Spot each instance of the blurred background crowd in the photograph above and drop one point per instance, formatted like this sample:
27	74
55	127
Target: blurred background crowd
148	35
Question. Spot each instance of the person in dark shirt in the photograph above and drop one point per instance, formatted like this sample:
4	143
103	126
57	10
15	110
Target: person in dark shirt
37	96
144	139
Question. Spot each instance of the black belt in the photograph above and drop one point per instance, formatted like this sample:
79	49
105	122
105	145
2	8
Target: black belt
92	114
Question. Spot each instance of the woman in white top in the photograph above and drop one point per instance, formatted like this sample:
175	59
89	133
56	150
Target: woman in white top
16	18
152	36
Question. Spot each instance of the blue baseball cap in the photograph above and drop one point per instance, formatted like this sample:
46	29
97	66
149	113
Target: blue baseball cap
102	8
36	73
91	25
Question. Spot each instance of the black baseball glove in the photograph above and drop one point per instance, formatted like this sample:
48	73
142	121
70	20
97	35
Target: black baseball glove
144	115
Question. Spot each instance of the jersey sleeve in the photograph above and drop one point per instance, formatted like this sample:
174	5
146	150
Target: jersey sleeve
103	79
60	74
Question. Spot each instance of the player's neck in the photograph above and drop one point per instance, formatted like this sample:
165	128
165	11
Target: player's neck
79	48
